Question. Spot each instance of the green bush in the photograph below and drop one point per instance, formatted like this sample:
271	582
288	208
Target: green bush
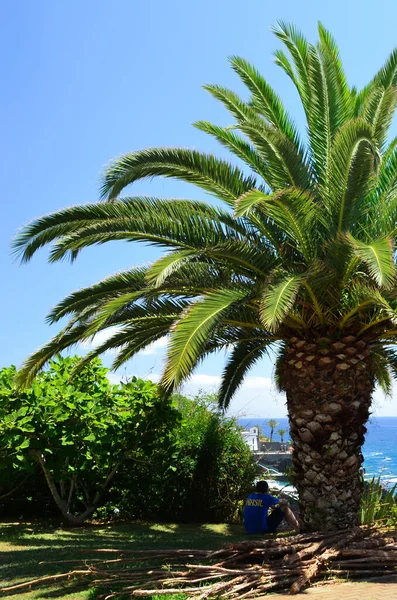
77	429
378	504
74	443
200	477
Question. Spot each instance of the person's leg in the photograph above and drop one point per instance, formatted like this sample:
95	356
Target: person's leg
290	517
274	519
278	514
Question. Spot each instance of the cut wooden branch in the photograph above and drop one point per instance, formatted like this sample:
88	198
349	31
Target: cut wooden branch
243	570
47	579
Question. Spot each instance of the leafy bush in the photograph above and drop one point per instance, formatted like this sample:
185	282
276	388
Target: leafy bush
378	504
75	443
200	477
77	429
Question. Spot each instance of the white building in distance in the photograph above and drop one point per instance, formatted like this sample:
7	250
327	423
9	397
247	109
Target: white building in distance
251	438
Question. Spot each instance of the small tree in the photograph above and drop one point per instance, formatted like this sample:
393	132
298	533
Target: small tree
281	433
272	423
79	429
202	476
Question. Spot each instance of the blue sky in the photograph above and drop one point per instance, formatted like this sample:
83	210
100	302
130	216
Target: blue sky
83	82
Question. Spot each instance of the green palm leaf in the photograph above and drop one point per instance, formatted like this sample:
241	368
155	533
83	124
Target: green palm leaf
191	332
293	210
166	265
179	223
98	293
66	338
299	50
353	162
265	100
285	163
204	170
339	94
236	144
378	256
245	354
278	299
248	201
131	339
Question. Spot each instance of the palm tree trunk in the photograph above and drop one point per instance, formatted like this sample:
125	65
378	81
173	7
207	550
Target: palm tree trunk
329	387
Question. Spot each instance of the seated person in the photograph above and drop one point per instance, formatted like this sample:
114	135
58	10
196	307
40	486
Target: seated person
256	518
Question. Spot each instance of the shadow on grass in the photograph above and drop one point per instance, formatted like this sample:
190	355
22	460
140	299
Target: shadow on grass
24	547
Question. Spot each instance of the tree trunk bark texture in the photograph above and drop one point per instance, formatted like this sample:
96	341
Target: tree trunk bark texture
329	387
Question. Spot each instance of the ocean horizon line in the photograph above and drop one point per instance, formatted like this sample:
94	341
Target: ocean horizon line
286	417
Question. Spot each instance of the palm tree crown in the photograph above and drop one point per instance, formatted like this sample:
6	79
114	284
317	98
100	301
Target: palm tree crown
272	423
281	433
302	247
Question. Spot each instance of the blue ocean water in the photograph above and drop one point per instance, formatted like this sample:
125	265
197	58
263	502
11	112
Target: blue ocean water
380	447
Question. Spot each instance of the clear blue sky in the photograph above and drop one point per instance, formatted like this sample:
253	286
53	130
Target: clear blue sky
84	81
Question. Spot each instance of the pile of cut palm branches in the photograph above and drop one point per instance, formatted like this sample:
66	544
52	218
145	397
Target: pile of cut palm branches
244	570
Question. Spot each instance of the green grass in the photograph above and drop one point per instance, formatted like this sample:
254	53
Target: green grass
23	546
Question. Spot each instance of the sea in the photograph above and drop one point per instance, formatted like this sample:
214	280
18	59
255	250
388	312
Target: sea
379	450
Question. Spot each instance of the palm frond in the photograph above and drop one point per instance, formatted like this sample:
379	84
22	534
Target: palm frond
340	96
281	59
173	223
166	265
285	163
278	299
287	166
379	258
381	206
244	355
235	144
380	368
379	110
293	210
94	295
130	339
390	355
265	100
353	162
190	334
322	117
66	338
385	77
248	201
299	51
214	175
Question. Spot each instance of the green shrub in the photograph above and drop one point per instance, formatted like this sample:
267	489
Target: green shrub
200	477
74	443
77	429
378	504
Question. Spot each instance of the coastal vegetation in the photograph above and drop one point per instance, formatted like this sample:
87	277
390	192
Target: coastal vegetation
296	255
83	447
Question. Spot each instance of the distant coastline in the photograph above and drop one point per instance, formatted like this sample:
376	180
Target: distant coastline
379	450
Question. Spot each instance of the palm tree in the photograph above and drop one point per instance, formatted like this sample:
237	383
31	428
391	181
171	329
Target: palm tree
296	255
281	433
272	423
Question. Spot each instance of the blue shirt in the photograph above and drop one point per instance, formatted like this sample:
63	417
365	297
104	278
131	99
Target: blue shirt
255	512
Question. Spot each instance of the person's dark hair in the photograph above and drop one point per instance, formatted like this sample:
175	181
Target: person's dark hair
262	487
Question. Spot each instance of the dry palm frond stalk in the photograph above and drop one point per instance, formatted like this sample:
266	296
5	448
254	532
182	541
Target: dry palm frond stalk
242	570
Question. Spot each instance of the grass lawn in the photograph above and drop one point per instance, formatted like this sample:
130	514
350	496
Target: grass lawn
23	546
